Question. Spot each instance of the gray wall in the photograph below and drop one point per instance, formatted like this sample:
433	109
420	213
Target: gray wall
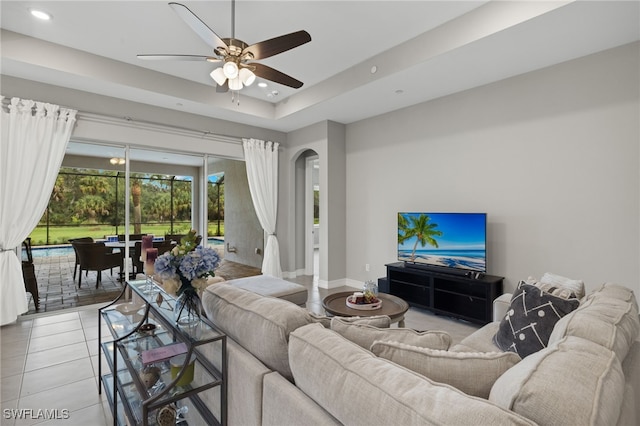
552	156
328	141
242	229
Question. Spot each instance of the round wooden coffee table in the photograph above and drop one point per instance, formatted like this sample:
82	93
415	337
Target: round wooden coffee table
394	307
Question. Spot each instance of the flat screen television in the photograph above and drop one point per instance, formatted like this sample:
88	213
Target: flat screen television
457	241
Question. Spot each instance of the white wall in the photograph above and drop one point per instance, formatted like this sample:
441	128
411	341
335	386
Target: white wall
552	156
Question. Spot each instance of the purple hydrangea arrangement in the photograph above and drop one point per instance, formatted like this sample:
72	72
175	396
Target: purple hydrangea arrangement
187	266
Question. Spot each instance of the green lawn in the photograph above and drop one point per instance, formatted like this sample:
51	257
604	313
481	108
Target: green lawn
61	234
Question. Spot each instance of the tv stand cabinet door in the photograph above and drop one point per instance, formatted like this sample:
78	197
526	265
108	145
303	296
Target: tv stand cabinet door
413	286
464	298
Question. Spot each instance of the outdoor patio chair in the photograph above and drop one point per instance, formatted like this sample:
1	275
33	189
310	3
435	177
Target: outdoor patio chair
29	272
96	257
173	237
81	239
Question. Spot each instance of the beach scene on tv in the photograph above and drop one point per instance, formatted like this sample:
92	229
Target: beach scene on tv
453	240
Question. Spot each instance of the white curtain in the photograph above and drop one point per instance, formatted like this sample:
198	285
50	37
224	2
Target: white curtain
34	140
262	171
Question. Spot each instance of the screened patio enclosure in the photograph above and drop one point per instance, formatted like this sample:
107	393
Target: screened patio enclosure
104	190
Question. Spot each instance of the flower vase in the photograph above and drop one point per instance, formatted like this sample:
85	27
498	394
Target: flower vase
188	309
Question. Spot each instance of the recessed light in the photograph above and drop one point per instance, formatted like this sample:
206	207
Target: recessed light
40	14
374	69
262	84
399	92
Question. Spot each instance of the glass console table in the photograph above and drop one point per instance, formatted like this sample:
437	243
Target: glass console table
190	389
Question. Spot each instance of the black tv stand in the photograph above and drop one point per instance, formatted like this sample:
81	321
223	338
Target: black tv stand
460	296
438	269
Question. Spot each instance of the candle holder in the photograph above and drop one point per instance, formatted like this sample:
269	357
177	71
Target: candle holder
146	244
151	254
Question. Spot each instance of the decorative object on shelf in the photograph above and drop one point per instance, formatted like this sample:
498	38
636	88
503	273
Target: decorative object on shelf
370	290
364	301
149	376
129	308
160	299
357	301
163	353
149	263
150	254
147	329
176	365
167	416
188	308
146	244
184	271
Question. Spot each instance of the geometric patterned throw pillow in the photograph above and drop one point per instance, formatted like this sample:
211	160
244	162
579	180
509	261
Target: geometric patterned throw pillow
532	314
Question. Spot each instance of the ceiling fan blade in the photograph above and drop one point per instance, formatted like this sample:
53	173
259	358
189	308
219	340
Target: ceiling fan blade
224	88
267	48
178	58
274	75
196	24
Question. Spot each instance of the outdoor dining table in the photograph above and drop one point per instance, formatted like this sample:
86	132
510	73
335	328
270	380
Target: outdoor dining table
122	245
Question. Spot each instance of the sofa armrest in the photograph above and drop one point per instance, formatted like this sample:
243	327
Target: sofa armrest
501	306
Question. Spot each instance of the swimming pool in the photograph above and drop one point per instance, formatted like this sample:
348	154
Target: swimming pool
67	250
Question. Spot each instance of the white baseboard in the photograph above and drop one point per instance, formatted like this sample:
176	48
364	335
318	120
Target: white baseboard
288	274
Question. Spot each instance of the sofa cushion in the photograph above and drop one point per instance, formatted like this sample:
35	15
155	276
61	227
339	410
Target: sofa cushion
380	321
284	404
358	388
615	291
472	372
480	340
573	382
259	324
364	335
530	319
612	323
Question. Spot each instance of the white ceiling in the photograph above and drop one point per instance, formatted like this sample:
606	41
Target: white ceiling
421	49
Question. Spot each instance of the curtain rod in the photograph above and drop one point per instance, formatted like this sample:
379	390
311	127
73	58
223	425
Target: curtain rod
128	121
205	134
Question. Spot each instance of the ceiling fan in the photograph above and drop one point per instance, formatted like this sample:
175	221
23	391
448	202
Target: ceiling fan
235	56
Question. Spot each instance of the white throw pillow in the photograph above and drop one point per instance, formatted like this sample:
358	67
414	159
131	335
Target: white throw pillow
576	286
474	373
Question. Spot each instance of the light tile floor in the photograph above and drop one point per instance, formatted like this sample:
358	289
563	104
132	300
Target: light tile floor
49	361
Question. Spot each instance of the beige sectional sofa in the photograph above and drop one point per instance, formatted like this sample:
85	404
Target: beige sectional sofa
286	367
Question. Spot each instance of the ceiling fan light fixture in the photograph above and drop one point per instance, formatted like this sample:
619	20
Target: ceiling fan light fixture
230	69
247	76
235	84
218	76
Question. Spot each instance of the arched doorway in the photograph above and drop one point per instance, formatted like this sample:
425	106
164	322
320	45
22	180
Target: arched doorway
308	221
